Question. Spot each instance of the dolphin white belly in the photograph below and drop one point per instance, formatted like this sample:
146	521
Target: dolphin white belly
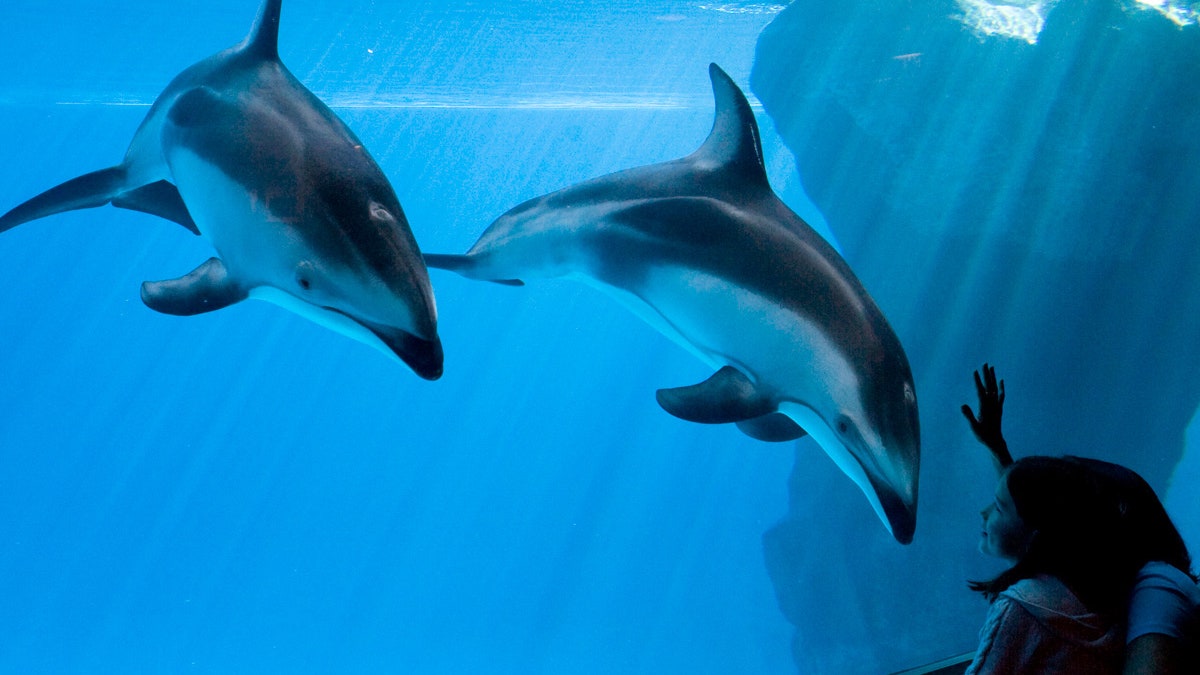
725	324
237	224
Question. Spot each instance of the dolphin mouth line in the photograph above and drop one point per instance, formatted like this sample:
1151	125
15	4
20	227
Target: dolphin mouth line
422	355
373	328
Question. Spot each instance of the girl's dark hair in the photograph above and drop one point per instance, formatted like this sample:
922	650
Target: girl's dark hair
1094	525
1147	529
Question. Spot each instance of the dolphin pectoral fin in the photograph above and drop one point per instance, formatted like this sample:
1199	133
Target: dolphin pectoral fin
82	192
462	265
206	288
158	199
773	428
727	396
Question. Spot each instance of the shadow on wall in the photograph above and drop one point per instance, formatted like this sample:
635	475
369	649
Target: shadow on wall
1029	204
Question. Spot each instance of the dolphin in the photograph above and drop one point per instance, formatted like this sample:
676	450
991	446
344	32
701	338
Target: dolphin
237	150
703	250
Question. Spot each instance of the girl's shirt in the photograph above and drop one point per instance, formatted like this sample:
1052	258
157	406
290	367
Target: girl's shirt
1039	626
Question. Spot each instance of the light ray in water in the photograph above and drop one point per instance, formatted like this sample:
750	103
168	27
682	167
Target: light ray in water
1179	13
1020	19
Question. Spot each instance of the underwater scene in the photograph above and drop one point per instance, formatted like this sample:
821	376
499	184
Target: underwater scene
598	337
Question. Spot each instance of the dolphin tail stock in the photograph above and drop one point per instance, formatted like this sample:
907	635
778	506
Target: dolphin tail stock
82	192
463	265
99	188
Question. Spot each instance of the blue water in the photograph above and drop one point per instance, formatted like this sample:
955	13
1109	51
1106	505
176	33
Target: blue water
245	491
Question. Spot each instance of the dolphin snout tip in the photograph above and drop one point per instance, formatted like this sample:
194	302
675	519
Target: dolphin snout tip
904	524
899	508
893	493
901	476
424	357
431	373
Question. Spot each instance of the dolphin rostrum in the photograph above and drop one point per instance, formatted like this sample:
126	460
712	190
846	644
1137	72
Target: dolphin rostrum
237	150
703	250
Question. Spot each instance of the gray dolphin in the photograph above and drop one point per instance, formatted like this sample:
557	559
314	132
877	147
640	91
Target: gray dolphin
703	250
237	150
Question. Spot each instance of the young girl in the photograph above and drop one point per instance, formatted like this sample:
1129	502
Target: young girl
1140	564
1059	607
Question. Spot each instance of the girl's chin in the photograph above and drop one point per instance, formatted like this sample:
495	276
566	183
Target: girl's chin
991	553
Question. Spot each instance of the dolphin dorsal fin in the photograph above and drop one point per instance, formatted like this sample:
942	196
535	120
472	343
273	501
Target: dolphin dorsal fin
733	141
263	40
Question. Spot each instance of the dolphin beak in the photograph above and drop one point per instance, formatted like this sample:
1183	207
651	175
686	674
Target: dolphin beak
897	505
893	464
887	481
423	356
891	472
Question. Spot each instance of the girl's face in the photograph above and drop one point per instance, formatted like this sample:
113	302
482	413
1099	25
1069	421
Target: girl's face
1004	534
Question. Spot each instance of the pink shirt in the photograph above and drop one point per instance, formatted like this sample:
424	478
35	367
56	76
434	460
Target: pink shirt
1039	626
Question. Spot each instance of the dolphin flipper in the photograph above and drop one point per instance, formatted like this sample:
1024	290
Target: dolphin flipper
727	396
82	192
158	199
772	428
206	288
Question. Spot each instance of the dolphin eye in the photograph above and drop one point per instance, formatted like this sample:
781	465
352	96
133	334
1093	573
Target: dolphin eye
304	283
843	425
